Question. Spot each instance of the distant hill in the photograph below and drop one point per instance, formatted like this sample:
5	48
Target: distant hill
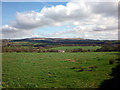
59	41
56	39
45	43
62	41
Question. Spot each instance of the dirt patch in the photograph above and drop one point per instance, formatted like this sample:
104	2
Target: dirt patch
70	60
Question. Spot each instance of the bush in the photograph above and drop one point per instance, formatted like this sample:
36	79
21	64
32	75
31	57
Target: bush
111	61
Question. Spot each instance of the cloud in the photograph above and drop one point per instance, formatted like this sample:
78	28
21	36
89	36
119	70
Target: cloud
12	32
106	8
52	16
86	32
89	19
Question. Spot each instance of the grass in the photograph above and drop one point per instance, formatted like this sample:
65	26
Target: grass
54	70
24	43
76	47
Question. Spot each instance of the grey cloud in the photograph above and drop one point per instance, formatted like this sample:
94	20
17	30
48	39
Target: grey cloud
110	28
106	8
10	32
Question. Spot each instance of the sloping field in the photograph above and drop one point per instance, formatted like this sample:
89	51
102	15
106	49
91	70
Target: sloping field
56	70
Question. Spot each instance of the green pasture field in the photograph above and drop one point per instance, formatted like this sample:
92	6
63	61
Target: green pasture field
56	70
25	43
22	44
17	47
76	47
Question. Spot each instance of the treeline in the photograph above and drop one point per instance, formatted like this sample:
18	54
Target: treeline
104	48
18	50
109	48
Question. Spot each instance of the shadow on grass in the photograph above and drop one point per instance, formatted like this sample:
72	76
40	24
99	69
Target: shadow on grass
113	83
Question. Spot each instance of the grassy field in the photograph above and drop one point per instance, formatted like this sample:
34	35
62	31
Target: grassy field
22	44
56	70
76	47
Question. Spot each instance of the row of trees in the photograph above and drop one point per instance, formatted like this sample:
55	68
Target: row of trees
39	50
105	48
19	50
109	48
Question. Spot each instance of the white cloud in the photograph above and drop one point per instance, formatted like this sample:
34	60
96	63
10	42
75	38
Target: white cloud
90	19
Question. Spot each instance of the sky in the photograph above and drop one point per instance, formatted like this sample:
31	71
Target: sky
74	19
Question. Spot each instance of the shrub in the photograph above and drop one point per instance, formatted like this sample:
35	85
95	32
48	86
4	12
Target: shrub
111	61
81	69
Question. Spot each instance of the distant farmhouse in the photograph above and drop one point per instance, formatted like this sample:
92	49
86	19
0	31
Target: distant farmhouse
62	51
